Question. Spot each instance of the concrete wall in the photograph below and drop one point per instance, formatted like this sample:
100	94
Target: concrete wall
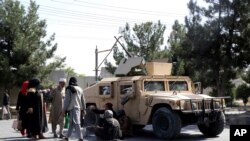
83	82
56	75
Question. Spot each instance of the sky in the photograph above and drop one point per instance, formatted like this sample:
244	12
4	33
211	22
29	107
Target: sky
82	25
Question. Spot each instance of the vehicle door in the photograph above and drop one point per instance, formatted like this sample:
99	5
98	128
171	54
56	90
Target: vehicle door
128	100
106	94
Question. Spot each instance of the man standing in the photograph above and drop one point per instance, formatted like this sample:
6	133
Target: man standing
6	107
74	102
57	116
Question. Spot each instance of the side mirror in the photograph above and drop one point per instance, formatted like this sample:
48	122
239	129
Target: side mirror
197	87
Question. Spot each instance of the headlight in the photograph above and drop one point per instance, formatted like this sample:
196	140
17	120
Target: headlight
180	103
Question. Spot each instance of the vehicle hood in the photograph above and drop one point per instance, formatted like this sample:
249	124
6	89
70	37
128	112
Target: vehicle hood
180	96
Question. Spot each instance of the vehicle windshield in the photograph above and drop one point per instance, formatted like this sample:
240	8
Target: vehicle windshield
178	86
154	86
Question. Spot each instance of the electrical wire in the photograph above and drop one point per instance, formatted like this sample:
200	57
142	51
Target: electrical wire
118	9
66	17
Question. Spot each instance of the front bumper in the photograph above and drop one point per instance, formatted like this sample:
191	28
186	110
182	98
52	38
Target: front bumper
205	105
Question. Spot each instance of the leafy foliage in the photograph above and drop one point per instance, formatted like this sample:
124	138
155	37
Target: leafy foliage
246	76
216	42
243	92
144	40
24	49
179	49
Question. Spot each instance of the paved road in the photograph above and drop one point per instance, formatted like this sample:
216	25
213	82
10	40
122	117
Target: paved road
190	133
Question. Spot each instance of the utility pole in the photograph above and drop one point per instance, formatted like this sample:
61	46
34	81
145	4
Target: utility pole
96	56
96	64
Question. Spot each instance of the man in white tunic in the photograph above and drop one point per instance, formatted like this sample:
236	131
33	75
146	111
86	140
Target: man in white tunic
74	102
57	116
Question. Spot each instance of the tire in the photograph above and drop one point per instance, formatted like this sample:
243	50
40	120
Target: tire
166	123
214	128
90	119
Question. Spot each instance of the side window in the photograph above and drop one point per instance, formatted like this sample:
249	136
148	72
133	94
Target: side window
178	86
154	86
104	90
125	89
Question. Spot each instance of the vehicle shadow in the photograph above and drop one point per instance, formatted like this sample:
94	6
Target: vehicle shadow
190	132
27	139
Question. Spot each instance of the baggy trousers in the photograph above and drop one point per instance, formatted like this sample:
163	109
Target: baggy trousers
61	125
75	120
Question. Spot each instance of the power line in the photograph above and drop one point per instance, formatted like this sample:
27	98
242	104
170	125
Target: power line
117	9
90	21
67	23
79	21
80	14
82	37
83	19
88	17
84	24
62	13
120	9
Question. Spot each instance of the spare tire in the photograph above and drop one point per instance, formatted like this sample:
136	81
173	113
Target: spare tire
213	129
166	123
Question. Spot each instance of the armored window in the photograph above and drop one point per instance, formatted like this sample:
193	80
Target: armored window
104	90
154	86
178	86
126	89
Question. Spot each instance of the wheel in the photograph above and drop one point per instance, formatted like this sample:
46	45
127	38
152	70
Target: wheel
214	128
90	118
166	123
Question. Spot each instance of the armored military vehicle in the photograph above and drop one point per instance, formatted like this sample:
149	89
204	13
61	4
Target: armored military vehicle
150	95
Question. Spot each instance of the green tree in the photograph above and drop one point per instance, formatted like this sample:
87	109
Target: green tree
179	52
243	92
69	72
24	48
246	76
217	40
143	40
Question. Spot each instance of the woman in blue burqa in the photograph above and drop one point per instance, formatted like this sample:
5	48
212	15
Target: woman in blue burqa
36	110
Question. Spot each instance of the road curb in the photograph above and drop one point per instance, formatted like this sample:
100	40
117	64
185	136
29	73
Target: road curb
238	118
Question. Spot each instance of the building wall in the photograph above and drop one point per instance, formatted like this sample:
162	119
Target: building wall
83	82
56	75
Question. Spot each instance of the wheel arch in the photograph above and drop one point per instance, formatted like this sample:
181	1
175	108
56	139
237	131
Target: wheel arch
155	108
89	104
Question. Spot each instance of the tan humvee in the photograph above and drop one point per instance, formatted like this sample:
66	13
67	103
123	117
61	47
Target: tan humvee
167	102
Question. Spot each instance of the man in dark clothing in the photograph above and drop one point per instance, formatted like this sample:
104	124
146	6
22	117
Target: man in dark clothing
36	110
125	123
6	107
110	130
107	106
6	99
